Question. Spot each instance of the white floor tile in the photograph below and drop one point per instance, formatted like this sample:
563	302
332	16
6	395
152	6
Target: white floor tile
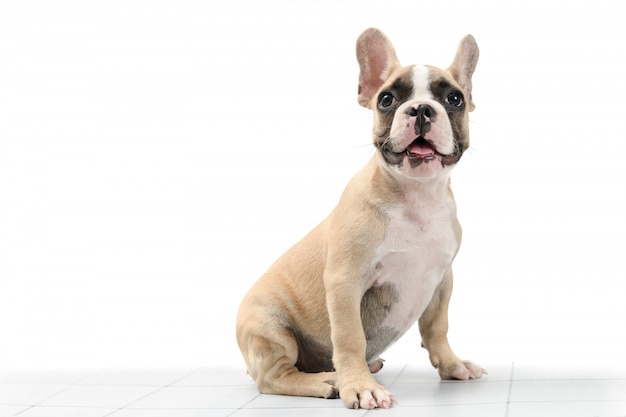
222	412
389	374
478	410
536	390
197	397
28	394
299	412
561	370
104	396
10	410
568	390
415	374
569	409
287	401
212	377
451	393
147	377
55	376
66	412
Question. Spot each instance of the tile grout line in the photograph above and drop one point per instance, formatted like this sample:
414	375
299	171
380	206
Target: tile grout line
509	394
24	410
399	373
67	386
243	406
158	388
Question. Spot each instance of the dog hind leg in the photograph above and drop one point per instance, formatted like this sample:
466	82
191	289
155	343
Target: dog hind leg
271	363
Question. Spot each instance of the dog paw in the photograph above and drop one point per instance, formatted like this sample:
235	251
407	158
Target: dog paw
464	370
332	393
374	396
376	365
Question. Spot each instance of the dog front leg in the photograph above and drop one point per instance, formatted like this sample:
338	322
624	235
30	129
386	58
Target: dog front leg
434	330
357	387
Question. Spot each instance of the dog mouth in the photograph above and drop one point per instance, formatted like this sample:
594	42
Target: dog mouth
419	151
421	148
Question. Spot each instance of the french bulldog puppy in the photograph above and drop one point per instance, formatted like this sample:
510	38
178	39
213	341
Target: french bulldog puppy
316	322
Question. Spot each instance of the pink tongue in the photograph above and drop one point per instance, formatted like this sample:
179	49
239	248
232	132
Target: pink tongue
421	148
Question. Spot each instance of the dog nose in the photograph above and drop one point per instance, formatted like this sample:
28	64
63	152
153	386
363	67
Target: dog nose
425	115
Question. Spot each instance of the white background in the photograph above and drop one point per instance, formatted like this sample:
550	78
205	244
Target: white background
157	156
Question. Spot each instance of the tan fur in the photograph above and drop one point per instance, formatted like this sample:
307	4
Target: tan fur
300	327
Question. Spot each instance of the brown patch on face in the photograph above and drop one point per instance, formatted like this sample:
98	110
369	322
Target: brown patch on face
401	88
375	307
445	90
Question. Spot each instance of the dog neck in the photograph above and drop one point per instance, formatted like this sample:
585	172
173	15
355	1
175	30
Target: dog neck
392	190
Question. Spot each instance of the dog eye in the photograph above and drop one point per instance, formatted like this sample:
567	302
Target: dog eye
455	99
386	100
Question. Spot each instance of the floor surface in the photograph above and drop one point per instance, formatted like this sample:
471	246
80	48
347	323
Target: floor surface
510	390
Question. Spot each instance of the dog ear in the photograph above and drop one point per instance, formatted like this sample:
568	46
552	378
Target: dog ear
464	65
377	60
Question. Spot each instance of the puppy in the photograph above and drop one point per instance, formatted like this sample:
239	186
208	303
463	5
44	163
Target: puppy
317	321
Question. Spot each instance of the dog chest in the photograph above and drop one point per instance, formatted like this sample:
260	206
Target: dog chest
415	255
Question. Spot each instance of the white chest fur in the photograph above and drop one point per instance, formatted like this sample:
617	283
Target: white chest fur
418	249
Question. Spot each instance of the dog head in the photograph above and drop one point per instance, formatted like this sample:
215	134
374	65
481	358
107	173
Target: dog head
420	111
